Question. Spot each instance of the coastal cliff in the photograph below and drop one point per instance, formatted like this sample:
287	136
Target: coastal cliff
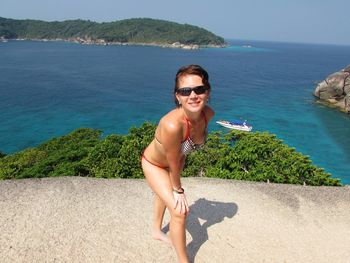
135	31
334	91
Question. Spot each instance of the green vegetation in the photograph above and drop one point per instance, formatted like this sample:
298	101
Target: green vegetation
237	155
136	30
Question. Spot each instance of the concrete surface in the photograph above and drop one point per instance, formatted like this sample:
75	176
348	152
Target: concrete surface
74	219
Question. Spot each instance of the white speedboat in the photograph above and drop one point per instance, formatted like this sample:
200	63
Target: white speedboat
236	125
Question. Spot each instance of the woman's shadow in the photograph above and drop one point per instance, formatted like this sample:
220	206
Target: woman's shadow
203	214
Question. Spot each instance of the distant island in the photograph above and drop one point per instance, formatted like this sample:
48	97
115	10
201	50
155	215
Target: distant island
135	31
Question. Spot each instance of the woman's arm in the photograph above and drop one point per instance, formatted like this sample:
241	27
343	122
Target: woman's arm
171	141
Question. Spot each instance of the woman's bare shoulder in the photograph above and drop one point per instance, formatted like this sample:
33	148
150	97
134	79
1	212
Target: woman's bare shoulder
172	121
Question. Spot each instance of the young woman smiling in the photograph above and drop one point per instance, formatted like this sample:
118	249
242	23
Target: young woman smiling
178	133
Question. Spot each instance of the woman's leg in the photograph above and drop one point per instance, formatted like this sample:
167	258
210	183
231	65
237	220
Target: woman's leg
159	210
159	181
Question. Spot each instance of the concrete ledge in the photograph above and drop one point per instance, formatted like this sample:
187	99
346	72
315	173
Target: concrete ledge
74	219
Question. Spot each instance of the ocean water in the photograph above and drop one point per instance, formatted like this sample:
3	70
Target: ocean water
48	89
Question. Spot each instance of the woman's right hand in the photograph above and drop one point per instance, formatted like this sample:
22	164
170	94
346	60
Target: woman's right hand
180	203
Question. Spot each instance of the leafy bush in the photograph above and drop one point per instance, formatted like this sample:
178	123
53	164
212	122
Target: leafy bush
236	155
61	156
255	156
119	156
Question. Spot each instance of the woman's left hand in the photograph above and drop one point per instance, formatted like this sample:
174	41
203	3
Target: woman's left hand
181	203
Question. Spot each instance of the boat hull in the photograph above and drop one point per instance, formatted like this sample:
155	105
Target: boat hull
235	126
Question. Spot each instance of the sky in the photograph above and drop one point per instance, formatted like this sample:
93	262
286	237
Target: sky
297	21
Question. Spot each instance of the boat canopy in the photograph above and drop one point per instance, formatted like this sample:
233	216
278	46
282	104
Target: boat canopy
235	122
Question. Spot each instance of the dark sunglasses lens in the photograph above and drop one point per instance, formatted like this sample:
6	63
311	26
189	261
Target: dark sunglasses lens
184	91
187	91
199	90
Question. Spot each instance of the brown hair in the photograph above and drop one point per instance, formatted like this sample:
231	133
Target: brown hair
190	70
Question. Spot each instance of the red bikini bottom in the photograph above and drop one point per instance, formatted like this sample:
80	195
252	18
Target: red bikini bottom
145	158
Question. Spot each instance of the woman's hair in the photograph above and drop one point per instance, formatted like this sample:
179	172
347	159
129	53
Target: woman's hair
190	70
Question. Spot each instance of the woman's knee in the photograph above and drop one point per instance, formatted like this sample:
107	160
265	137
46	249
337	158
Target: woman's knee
176	215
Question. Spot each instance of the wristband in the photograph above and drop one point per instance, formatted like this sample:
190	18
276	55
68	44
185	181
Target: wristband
179	191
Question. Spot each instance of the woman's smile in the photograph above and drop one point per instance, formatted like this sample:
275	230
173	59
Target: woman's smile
195	104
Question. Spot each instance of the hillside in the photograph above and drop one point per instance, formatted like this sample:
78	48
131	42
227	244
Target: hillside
128	31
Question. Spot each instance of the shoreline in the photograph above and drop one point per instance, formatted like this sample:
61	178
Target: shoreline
333	104
103	42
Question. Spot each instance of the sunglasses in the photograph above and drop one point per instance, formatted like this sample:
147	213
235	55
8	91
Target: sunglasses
187	91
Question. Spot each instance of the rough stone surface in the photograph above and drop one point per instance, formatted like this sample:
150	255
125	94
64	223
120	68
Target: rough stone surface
335	89
347	69
75	219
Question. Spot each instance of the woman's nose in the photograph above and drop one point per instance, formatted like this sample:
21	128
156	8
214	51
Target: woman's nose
193	94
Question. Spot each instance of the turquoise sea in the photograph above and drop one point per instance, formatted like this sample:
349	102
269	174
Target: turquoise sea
48	89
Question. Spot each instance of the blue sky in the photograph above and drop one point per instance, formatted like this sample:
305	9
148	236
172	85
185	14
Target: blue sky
304	21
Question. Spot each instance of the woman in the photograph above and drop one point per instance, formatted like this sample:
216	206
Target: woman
179	132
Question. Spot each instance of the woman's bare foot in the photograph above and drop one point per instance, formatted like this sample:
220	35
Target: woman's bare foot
159	235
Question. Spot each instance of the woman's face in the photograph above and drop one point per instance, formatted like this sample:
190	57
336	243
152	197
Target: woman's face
194	102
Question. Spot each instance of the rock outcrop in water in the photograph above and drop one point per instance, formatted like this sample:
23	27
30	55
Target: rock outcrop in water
335	90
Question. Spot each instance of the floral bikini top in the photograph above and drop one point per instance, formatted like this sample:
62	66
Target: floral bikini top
188	146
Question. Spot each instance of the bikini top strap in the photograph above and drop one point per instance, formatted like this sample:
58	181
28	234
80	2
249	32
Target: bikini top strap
187	129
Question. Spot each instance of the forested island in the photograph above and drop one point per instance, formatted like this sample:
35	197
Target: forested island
142	31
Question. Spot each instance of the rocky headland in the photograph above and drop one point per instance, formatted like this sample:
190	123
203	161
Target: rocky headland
334	91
